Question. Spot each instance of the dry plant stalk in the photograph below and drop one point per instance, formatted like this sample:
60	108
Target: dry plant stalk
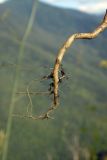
43	116
67	45
55	77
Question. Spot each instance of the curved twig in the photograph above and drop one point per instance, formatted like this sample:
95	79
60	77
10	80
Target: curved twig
43	116
64	48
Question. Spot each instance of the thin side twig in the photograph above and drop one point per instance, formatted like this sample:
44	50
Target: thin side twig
43	116
34	93
66	45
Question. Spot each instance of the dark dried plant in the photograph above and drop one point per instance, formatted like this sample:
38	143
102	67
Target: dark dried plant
58	74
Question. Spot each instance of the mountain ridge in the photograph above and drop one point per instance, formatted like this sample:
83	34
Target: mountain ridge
83	97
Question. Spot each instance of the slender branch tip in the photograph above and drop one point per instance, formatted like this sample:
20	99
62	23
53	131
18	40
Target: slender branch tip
66	45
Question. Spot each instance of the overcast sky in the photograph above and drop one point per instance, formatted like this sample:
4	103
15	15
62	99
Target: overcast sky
89	6
2	1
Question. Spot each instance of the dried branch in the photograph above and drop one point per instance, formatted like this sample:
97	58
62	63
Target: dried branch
29	115
57	74
67	45
34	93
43	116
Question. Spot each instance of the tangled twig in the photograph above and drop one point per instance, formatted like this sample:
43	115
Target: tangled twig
64	48
58	74
29	115
43	116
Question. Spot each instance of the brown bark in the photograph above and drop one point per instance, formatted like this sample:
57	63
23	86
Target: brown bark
66	45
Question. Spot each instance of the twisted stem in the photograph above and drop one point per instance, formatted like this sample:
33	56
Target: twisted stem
64	48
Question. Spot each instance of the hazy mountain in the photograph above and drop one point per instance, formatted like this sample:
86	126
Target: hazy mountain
83	98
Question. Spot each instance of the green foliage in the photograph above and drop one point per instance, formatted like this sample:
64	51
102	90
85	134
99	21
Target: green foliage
83	98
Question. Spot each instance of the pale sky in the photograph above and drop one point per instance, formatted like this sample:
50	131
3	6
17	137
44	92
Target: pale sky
89	6
2	1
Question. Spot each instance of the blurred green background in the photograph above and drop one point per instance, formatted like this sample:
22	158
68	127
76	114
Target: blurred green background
79	128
